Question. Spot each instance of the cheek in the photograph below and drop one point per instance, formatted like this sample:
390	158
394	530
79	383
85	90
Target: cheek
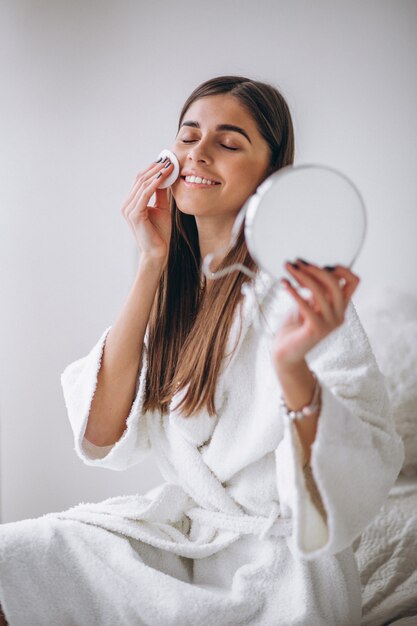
175	190
244	180
180	149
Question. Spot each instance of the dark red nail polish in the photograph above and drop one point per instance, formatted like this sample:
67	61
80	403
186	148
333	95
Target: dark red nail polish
329	268
303	261
297	267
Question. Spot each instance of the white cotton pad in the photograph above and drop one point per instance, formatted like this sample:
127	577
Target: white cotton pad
175	172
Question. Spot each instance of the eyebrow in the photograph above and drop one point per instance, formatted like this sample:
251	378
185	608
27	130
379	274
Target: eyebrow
232	127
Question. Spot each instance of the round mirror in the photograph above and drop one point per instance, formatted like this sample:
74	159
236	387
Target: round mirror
310	212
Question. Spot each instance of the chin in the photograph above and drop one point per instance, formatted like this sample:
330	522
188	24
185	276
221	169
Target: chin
196	209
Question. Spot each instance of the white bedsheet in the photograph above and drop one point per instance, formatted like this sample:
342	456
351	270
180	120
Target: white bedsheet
386	553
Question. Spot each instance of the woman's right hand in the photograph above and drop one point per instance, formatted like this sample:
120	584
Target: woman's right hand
151	225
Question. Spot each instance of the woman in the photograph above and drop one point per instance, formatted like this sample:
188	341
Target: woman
255	521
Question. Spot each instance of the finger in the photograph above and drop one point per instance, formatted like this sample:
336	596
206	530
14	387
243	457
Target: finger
144	194
162	198
147	174
348	280
141	177
158	174
316	288
151	169
305	308
331	282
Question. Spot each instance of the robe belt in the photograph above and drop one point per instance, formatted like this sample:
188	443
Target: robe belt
273	525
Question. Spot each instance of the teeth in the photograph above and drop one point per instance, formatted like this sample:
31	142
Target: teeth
197	179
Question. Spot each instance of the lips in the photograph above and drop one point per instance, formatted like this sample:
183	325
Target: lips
206	176
191	185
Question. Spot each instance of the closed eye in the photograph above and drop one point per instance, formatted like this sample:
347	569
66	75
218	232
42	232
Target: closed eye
223	146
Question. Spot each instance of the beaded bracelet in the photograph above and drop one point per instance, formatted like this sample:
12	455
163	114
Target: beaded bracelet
309	409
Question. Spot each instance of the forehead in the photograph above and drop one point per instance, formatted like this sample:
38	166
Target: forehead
220	109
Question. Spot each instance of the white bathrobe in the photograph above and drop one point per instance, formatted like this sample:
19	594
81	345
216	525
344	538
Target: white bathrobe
240	533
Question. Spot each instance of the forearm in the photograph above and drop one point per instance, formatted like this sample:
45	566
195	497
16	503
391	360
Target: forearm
122	358
317	316
297	385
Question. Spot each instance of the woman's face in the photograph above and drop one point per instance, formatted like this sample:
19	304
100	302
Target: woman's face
236	160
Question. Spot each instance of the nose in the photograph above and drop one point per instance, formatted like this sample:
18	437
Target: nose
198	152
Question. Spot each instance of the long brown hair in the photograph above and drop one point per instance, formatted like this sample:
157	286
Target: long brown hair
188	326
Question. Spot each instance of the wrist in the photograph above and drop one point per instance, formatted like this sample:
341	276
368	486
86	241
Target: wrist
152	264
291	369
297	384
308	409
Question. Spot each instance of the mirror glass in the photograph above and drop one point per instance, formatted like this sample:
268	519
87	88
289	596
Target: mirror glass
311	212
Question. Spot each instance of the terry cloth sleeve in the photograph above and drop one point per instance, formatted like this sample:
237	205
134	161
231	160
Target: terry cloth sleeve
356	455
79	381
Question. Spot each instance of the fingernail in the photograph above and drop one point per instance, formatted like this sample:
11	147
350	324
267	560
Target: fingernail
159	160
302	261
167	164
159	175
329	268
297	267
164	159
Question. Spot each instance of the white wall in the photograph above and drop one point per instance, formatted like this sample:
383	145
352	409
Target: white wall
90	93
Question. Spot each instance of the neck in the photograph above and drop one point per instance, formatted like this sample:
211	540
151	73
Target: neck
214	236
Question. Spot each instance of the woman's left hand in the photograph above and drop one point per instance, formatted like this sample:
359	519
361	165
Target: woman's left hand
319	315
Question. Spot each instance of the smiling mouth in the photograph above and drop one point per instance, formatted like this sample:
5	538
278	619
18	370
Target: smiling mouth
199	185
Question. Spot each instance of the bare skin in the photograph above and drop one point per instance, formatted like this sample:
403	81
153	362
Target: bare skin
208	152
122	357
318	316
237	159
205	150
